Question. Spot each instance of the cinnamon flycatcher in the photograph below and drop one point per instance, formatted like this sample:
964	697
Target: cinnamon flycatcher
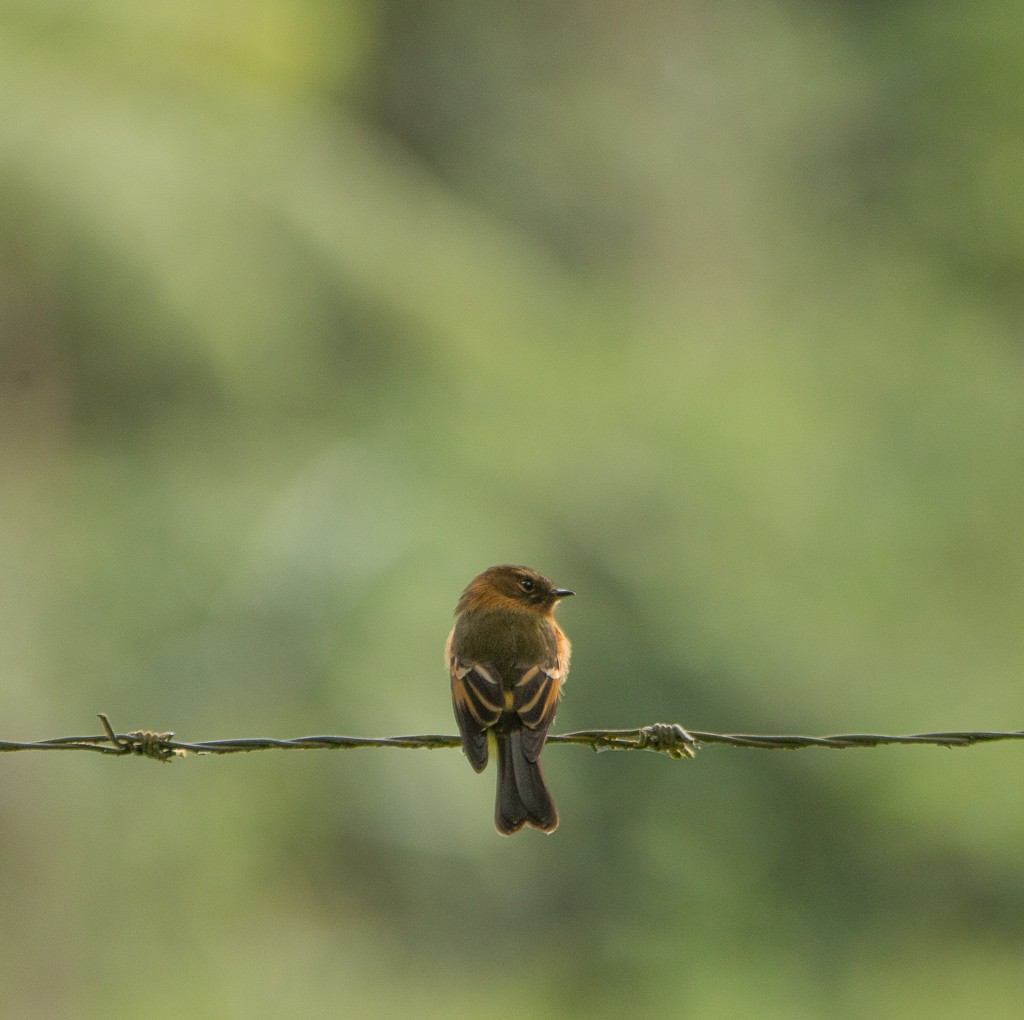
508	659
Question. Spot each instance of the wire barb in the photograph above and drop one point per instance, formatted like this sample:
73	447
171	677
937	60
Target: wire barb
147	743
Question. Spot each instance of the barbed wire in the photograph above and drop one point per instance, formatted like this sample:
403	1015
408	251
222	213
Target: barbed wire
665	738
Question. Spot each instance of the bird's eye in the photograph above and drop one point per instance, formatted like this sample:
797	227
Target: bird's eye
526	584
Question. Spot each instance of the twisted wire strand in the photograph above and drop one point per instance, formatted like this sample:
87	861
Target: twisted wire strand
665	738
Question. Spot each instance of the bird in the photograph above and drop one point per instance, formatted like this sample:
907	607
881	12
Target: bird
508	660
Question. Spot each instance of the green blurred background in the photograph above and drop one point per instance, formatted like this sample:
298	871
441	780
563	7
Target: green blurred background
309	311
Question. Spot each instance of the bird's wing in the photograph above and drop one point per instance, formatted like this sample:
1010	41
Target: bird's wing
535	700
478	699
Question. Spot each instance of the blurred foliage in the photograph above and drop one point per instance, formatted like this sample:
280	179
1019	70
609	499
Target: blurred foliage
311	310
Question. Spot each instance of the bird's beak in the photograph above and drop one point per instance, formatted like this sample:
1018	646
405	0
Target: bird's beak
561	593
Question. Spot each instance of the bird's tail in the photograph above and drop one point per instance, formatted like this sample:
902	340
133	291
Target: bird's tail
523	796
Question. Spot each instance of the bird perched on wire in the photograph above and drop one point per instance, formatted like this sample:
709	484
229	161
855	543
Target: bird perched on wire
508	659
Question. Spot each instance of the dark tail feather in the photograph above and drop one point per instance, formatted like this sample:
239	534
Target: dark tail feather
523	796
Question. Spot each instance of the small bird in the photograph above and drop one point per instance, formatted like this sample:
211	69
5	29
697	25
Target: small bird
508	660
